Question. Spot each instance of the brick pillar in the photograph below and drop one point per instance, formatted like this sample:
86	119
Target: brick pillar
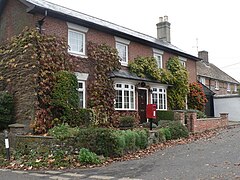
191	120
179	115
224	119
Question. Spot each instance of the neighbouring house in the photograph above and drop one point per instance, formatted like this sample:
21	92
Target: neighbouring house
217	85
133	92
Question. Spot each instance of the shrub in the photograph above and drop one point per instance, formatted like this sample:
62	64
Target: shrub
196	97
167	133
126	121
161	135
178	130
87	157
130	140
65	98
63	131
143	142
6	109
165	115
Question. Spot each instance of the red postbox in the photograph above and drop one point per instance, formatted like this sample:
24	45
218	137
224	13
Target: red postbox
151	111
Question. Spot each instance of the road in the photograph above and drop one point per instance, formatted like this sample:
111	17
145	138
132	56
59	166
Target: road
215	158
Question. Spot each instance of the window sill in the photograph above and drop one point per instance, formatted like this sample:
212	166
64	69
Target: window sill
77	54
125	109
217	89
124	64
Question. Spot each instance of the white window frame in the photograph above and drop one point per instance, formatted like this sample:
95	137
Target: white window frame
82	78
158	55
125	43
183	61
216	85
228	87
235	88
123	89
81	31
159	93
83	90
202	80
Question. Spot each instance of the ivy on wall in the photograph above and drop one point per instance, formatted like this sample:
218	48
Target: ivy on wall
40	56
101	91
175	75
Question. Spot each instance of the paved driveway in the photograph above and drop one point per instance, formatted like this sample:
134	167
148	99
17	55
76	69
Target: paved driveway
217	158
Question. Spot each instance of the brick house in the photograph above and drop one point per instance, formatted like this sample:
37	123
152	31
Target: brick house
133	93
216	83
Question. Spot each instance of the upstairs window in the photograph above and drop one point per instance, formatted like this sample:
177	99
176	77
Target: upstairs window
122	48
202	80
228	87
235	88
158	55
76	39
216	85
182	61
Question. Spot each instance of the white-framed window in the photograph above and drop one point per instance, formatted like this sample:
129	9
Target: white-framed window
125	96
77	39
158	55
228	87
235	88
82	78
122	48
216	85
202	80
183	61
81	93
159	97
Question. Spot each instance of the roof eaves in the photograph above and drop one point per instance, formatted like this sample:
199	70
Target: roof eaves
70	15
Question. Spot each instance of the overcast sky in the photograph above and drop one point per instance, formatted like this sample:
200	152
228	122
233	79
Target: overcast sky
211	25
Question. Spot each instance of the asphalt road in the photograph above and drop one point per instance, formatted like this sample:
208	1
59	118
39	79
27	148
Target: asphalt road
215	158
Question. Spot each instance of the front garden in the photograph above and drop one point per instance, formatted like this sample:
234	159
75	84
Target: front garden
39	67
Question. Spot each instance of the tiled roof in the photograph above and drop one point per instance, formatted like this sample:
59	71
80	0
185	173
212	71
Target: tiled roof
211	71
66	12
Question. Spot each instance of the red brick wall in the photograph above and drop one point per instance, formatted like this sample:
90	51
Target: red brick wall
201	125
191	68
13	19
136	49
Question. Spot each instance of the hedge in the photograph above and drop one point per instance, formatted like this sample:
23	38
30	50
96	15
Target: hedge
165	115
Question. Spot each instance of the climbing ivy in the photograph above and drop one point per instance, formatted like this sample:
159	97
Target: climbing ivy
101	91
175	75
45	55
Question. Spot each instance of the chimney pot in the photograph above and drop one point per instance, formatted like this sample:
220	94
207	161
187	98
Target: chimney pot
166	18
160	19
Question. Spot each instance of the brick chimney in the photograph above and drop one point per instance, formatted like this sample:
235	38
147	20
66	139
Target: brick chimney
203	55
163	29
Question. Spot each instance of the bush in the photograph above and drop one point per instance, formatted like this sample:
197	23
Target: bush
161	135
147	125
178	130
167	133
6	110
200	114
65	98
63	131
87	157
165	115
126	121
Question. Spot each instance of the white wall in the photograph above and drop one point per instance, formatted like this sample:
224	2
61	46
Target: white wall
228	104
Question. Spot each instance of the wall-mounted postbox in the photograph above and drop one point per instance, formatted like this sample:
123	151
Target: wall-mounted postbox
151	111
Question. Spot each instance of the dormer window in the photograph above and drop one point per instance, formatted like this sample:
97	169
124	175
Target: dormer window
122	48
